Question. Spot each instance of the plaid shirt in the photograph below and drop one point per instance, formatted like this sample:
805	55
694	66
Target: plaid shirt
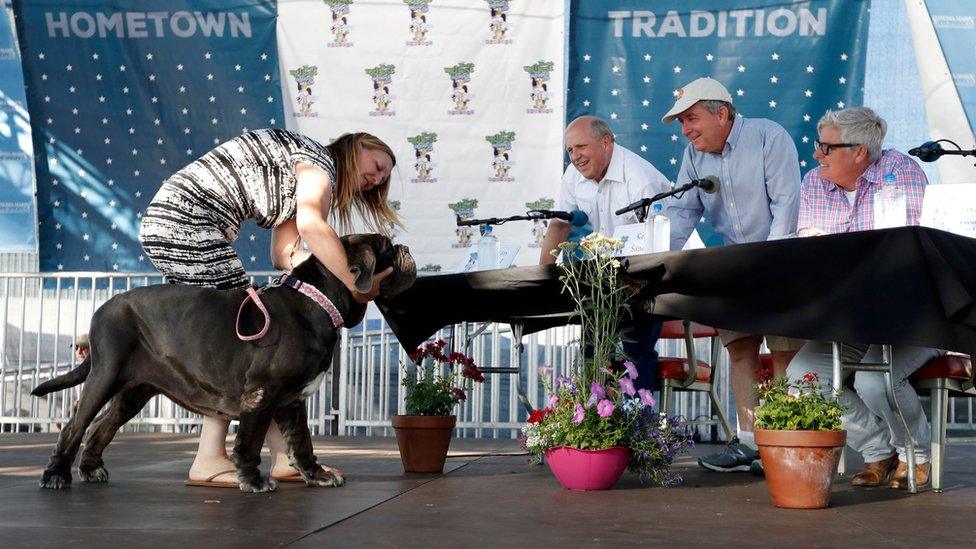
824	205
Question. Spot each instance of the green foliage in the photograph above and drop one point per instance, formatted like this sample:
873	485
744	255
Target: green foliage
803	405
431	391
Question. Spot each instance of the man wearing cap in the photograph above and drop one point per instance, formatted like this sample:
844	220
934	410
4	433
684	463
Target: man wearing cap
602	178
758	169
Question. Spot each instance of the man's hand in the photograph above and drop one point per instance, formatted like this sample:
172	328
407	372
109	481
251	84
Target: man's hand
375	290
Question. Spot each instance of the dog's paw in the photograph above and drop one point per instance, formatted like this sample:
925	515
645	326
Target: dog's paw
98	474
55	480
327	476
258	485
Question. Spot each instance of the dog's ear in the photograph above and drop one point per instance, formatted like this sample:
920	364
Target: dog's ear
362	261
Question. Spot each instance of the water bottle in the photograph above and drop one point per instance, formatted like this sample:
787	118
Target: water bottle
890	208
487	250
658	230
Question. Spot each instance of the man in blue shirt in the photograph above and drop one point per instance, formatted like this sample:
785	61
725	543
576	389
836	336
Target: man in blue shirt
757	166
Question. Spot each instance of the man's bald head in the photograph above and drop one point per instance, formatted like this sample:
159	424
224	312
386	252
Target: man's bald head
589	143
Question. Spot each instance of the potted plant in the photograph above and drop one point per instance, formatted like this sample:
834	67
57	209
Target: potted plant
435	384
595	423
799	435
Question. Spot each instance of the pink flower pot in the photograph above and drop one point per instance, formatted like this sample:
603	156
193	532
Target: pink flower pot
588	469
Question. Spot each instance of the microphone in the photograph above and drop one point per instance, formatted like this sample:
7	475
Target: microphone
575	218
930	151
708	184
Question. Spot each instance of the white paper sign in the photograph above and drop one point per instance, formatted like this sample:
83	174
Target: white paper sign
635	239
506	256
950	207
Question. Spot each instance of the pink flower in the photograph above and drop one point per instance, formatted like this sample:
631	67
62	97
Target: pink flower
552	401
631	369
598	390
579	413
627	386
605	408
647	397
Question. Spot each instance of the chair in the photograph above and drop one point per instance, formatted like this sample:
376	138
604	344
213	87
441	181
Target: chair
938	377
690	374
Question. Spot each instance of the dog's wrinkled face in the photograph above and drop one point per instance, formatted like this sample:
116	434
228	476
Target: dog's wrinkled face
373	253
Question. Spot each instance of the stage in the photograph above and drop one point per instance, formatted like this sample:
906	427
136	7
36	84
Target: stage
486	497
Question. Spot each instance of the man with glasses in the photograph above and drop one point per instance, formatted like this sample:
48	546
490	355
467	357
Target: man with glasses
757	199
838	197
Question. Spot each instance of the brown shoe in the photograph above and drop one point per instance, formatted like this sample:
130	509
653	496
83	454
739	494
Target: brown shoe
875	473
900	480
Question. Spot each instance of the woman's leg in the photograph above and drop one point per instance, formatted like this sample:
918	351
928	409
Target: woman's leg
211	455
279	453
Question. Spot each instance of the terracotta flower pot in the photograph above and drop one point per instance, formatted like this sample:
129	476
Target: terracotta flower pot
588	469
800	465
423	441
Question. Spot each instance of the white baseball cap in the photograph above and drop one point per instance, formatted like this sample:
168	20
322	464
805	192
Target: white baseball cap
703	89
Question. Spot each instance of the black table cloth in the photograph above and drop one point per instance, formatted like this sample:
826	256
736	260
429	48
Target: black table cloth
910	285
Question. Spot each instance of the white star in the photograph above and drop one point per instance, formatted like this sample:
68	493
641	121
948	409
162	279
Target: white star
644	126
270	99
676	93
809	68
803	163
674	137
808	93
264	57
60	267
209	77
78	151
81	173
775	56
213	121
156	121
613	116
50	120
240	89
162	160
740	92
135	152
586	57
182	89
87	257
74	110
586	102
43	77
614	92
647	57
115	266
271	121
101	98
806	117
643	148
95	56
774	79
68	68
86	237
243	111
206	55
676	69
673	160
186	130
179	67
125	89
647	79
843	57
189	152
253	259
136	173
805	139
138	194
108	161
84	215
122	68
152	77
840	104
40	55
47	98
237	67
645	102
709	57
615	69
741	68
154	99
71	89
586	79
105	121
216	141
842	80
212	99
128	112
98	76
57	204
77	130
184	110
132	131
267	77
58	245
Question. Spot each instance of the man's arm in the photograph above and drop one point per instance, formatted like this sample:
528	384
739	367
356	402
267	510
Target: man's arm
782	166
556	234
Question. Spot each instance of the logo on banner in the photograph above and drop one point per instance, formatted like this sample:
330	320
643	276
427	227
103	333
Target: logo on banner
463	209
539	226
304	79
499	22
501	144
393	230
460	77
539	73
340	23
423	146
418	22
430	268
382	76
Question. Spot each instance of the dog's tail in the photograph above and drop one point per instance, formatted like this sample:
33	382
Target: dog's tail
63	381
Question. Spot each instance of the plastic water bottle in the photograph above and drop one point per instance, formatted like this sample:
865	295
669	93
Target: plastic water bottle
890	207
658	230
487	250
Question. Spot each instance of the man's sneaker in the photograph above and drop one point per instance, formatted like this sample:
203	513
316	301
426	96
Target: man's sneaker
736	457
757	469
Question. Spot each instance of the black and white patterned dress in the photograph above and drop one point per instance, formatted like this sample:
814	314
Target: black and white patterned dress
188	227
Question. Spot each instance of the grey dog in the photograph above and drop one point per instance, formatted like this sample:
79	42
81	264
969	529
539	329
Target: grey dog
181	341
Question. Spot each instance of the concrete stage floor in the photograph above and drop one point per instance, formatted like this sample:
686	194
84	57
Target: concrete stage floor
483	499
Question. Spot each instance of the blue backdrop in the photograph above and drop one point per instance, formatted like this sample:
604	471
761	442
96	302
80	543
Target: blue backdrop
786	61
955	26
122	94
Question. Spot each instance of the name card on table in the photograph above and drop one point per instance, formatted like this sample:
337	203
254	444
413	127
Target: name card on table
506	256
950	207
635	239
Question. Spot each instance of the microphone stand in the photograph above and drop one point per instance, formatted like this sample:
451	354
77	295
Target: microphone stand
494	220
644	203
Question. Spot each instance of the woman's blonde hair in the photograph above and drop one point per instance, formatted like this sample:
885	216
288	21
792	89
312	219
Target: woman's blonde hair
372	205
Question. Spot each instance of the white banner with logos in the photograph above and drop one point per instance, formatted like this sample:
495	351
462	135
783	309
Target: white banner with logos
468	94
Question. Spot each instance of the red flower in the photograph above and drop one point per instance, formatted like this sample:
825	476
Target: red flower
460	393
811	377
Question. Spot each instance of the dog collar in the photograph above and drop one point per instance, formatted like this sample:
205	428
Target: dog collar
315	295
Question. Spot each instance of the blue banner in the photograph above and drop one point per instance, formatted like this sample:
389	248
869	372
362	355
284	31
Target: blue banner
123	93
786	61
18	223
955	26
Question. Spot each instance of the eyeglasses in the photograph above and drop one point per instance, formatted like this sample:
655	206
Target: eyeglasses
825	148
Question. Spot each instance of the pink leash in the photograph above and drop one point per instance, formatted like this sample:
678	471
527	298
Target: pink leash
254	295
